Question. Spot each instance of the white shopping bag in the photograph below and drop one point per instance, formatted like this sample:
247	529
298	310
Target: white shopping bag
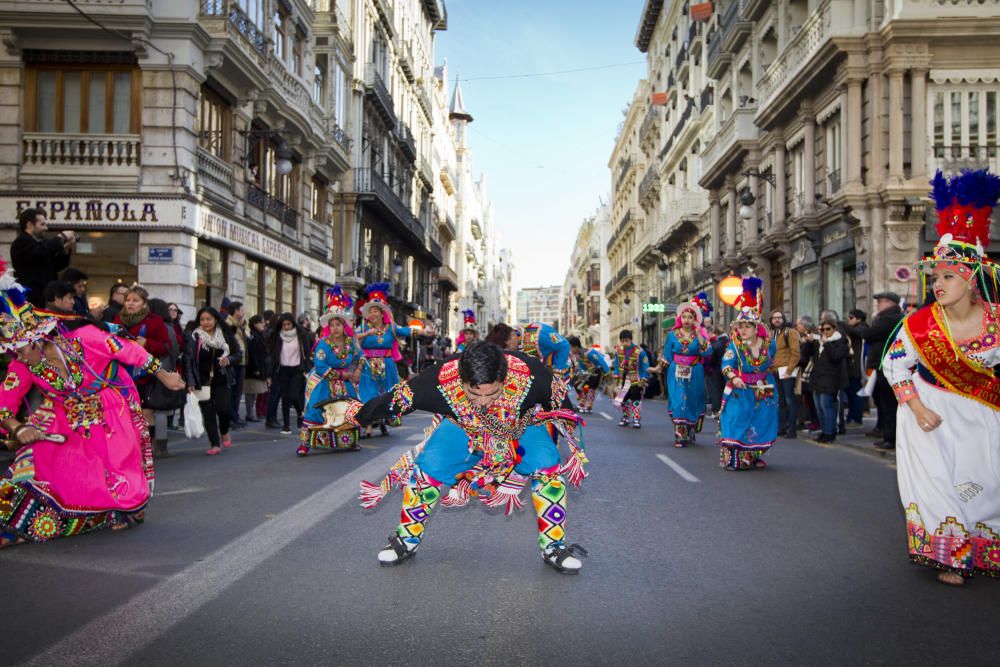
869	387
194	425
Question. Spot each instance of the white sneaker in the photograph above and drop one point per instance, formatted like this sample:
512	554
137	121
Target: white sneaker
397	550
561	558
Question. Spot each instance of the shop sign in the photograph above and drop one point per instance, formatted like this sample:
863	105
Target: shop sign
212	226
160	255
97	211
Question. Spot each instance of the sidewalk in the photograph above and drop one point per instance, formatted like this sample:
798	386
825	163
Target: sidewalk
855	438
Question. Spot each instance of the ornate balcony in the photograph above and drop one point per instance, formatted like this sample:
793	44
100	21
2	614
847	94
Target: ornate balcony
649	188
215	178
623	172
425	172
294	92
407	144
371	187
650	128
62	158
377	93
319	237
729	143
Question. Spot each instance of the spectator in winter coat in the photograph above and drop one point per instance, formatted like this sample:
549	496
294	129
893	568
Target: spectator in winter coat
829	376
257	367
37	260
808	342
150	332
855	328
291	358
883	327
208	356
116	299
78	279
786	361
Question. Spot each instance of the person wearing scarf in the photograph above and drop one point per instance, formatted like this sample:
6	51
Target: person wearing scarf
149	330
208	357
829	376
291	357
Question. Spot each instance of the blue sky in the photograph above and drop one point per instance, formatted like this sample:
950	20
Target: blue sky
543	142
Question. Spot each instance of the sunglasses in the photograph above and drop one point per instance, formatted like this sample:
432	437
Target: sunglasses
827	328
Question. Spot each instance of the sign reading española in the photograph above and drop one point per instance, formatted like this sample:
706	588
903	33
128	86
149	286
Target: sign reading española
84	212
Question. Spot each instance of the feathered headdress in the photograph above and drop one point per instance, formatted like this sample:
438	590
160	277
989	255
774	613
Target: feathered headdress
469	318
964	205
338	305
20	325
701	300
750	304
375	295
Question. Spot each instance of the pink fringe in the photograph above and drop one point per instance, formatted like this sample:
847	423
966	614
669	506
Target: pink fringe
371	495
573	470
502	498
458	496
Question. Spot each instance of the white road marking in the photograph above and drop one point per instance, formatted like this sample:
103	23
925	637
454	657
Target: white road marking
178	492
114	637
677	468
416	437
606	416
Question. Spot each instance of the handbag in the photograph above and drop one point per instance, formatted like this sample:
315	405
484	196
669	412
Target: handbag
161	398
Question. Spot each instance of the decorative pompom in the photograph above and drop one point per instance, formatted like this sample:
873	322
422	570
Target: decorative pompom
940	192
977	188
376	287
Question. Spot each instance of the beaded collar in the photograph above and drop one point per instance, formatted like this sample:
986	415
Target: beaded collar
503	418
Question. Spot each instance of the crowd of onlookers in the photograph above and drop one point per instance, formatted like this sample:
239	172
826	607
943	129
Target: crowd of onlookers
227	359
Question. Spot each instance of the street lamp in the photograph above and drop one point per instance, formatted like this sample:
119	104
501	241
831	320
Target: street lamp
746	200
282	154
397	265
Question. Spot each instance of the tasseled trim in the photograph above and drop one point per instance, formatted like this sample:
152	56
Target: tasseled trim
458	496
372	495
506	494
569	426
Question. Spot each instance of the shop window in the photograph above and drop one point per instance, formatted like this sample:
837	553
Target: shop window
271	289
210	272
82	99
286	292
840	279
108	258
807	292
253	278
214	123
317	205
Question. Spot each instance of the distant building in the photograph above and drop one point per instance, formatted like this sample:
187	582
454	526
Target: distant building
539	304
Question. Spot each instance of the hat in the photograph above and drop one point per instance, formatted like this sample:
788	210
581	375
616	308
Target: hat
964	205
338	305
701	300
375	295
20	325
469	319
750	303
692	308
888	296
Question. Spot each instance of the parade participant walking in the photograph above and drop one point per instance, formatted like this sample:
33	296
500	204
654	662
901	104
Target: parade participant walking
469	334
35	259
940	368
379	338
748	423
336	372
208	358
686	347
631	373
591	369
85	460
492	440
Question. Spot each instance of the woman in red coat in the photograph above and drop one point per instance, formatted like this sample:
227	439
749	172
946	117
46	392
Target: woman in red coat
149	331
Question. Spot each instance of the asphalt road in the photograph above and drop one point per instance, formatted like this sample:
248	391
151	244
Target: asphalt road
258	557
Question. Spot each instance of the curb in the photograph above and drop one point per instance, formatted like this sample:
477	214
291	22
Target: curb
864	448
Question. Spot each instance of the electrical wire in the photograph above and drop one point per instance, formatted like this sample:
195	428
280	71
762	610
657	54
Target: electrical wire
565	71
173	79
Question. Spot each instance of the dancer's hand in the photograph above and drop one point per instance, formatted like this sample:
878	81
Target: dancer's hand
28	435
738	383
171	380
927	419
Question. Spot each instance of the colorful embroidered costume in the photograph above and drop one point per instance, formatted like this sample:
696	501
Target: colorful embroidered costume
100	473
490	453
333	368
591	367
631	371
543	342
949	480
748	423
685	351
380	345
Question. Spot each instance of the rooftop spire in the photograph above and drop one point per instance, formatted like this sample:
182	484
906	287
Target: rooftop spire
456	111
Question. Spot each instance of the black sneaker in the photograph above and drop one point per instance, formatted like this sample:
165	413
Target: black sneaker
285	430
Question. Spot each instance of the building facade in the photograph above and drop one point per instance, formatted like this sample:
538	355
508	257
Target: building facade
815	126
539	304
256	149
584	305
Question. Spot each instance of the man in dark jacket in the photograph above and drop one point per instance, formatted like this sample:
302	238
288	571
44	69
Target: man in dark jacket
116	300
882	328
36	259
855	328
78	279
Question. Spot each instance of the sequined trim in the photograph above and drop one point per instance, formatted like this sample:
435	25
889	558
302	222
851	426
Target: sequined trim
905	391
